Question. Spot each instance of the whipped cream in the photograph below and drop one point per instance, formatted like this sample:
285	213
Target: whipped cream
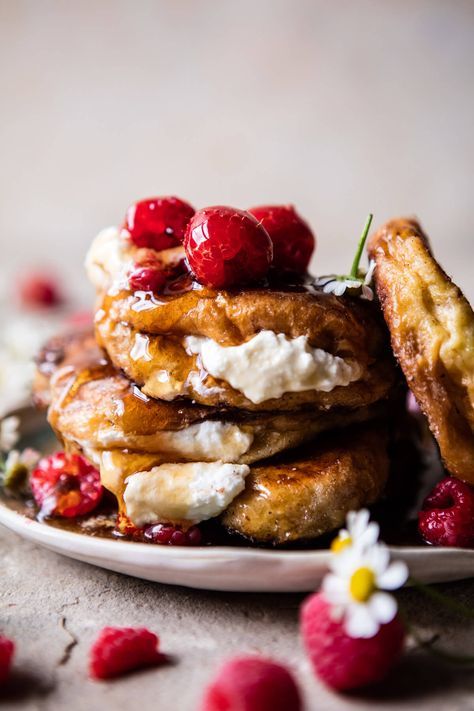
210	440
271	364
107	261
195	491
111	257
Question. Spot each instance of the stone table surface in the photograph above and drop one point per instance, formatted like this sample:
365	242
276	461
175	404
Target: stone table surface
53	607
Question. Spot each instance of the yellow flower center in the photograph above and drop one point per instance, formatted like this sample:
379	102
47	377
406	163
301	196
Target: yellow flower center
340	543
362	584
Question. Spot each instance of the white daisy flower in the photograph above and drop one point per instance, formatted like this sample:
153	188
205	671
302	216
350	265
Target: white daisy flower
360	531
338	285
356	587
9	434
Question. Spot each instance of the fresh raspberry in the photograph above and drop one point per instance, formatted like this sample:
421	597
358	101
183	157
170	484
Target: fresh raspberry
168	535
158	223
447	516
293	241
226	247
7	649
119	650
344	662
150	278
66	485
252	684
39	291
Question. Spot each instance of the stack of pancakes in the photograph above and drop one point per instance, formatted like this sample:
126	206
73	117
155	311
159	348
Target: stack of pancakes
266	408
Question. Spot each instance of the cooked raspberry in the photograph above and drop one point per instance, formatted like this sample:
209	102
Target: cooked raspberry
147	279
343	662
252	684
39	291
447	517
158	223
226	247
7	649
119	650
168	535
293	241
66	485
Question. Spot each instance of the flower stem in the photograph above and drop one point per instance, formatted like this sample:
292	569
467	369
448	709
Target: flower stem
442	599
354	273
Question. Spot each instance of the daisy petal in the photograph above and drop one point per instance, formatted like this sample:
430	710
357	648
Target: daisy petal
335	589
394	576
359	622
378	558
383	607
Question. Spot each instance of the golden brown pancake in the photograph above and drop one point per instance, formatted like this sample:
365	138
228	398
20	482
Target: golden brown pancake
94	405
147	335
297	496
164	368
302	495
432	332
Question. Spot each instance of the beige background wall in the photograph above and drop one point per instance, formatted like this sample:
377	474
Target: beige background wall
340	107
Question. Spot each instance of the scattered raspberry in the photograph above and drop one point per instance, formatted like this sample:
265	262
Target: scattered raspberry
252	684
343	662
119	650
168	535
293	241
150	278
226	247
80	319
66	485
447	516
7	649
39	291
158	223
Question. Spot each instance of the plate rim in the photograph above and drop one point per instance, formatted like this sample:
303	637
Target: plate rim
15	521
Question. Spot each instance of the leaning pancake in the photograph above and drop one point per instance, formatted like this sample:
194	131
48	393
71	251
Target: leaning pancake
301	496
432	332
93	405
278	347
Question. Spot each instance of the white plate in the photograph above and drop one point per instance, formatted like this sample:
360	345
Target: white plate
225	568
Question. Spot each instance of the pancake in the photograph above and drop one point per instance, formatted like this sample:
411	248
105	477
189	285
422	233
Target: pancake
432	332
295	497
305	494
95	406
282	346
165	369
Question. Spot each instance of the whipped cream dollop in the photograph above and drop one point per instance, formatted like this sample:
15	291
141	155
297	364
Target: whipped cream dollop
271	364
111	257
210	440
107	260
194	491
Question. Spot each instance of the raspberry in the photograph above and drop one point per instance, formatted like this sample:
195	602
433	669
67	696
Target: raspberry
447	516
344	662
293	241
226	247
39	291
252	684
7	649
165	534
158	223
118	650
66	485
147	279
